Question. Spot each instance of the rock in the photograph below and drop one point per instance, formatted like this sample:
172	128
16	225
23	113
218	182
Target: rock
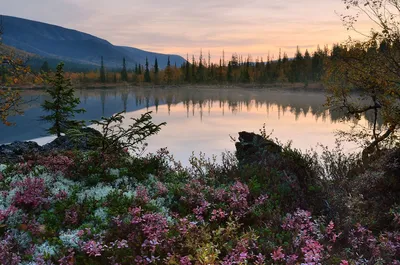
65	143
13	152
253	148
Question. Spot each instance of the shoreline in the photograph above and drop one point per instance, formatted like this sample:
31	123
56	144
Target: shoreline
317	87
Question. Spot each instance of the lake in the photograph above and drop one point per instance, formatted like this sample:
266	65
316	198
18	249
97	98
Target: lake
199	119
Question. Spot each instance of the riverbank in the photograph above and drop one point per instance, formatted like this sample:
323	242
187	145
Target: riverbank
286	86
268	204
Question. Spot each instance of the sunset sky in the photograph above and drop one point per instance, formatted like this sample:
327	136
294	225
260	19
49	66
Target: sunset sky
255	27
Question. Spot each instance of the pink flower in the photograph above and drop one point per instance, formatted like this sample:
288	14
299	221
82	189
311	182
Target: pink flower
217	214
71	216
142	194
185	261
31	193
277	254
161	188
344	262
92	248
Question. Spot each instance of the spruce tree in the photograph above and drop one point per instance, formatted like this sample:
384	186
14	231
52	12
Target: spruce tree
307	67
124	73
140	69
102	71
147	78
156	69
168	73
63	105
187	69
200	69
45	67
193	69
229	76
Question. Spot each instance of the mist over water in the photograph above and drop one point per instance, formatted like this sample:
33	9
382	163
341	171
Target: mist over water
200	120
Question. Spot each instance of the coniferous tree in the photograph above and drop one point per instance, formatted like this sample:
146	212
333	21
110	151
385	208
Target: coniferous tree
156	69
147	77
115	77
220	71
307	68
45	67
124	73
187	69
193	69
140	69
229	74
102	71
63	105
136	69
168	73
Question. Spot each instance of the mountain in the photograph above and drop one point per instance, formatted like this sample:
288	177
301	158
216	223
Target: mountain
58	43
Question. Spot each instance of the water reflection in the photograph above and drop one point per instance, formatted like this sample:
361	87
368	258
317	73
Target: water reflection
199	119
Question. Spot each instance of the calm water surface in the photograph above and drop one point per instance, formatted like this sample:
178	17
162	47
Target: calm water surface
199	120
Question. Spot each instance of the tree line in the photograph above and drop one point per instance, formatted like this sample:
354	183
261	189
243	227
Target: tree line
302	68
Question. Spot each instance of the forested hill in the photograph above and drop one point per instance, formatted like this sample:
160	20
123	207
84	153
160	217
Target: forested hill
54	42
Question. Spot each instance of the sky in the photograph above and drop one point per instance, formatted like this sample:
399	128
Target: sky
245	27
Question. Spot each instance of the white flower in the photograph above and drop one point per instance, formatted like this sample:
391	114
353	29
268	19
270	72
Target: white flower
101	213
98	193
45	249
70	238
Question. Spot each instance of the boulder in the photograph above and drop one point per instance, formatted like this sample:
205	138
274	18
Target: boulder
253	148
14	152
11	153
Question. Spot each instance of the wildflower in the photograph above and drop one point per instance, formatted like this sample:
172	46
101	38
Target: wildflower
142	194
71	216
217	214
31	193
277	254
92	248
185	261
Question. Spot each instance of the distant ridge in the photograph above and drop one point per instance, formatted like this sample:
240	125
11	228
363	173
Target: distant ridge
58	43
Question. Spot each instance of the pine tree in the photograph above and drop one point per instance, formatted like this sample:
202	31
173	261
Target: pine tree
136	69
45	67
229	76
147	78
307	68
102	71
140	69
124	73
297	68
187	69
156	69
168	73
63	105
115	77
193	69
200	69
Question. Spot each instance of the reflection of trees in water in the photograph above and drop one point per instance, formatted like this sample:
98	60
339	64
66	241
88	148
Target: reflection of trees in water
235	101
229	100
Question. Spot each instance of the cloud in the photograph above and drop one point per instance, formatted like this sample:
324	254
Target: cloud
186	26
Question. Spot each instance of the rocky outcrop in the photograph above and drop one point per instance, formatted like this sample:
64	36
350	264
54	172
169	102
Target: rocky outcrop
254	149
64	143
11	153
14	152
